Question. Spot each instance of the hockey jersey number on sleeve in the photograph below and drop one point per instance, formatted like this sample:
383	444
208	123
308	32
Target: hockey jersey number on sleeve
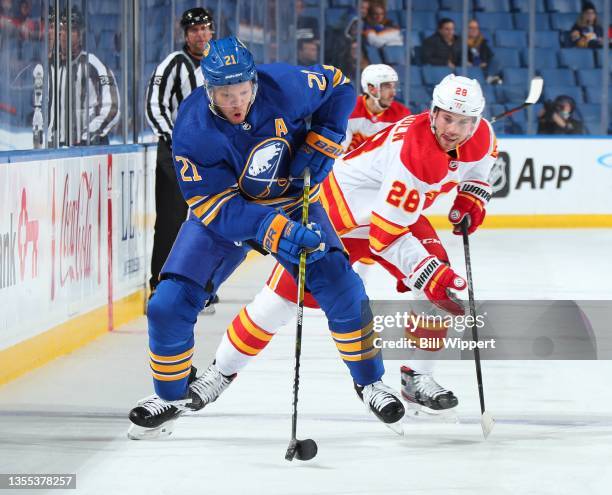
189	172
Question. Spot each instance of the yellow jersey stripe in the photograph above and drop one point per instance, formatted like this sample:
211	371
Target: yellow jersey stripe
195	200
276	274
360	346
357	334
203	209
360	357
347	218
171	359
171	378
252	328
211	215
237	341
169	368
376	244
388	227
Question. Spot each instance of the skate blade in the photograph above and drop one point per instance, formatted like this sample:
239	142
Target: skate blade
136	432
208	310
419	411
397	427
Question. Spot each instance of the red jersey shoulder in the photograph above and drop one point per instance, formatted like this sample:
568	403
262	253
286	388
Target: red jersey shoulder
395	112
421	154
481	144
360	109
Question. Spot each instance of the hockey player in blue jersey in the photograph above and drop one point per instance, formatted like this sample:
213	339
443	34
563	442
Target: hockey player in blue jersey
241	143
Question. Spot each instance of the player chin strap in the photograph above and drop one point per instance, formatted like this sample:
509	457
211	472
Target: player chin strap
376	100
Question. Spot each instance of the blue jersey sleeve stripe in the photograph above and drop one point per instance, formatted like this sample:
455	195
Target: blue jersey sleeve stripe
196	200
212	201
214	211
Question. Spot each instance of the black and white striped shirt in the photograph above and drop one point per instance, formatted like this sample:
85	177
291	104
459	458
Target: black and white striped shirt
177	76
95	106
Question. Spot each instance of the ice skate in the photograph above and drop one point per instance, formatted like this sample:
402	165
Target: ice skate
384	403
209	308
208	387
424	394
154	417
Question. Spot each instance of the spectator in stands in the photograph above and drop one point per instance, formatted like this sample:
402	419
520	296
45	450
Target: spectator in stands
479	52
308	52
28	27
365	6
587	32
557	117
9	25
348	60
307	26
379	31
443	47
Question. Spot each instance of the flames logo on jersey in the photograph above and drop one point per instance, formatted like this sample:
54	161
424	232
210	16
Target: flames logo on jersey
267	168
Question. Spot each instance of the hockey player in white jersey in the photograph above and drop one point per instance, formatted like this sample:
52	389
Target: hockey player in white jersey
376	197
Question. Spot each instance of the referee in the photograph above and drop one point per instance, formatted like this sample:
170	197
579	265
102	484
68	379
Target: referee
171	82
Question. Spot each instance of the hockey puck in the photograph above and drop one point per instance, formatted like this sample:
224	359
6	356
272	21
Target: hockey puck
306	449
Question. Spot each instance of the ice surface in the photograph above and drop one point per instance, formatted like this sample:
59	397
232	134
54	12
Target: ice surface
554	419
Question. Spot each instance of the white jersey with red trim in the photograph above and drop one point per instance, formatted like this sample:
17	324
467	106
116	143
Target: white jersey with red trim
394	176
362	123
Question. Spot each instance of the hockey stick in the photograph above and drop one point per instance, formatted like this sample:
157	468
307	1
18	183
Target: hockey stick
486	421
304	450
535	90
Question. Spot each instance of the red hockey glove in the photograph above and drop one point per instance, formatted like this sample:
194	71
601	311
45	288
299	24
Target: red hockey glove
470	203
435	280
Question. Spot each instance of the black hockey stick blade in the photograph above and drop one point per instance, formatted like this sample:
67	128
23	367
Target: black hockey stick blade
535	91
291	450
302	450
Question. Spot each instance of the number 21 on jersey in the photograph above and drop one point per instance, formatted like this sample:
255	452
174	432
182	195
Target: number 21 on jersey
189	172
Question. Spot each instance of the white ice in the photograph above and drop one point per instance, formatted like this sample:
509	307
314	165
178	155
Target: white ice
554	419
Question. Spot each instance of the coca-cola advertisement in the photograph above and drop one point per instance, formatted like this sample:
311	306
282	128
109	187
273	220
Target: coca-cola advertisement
72	240
77	231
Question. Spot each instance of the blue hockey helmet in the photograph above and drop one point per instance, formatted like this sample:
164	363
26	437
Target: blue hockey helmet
225	62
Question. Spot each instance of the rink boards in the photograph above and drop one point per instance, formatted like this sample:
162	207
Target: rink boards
547	183
75	231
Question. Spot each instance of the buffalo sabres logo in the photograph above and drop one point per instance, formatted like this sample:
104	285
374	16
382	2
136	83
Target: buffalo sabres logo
267	168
